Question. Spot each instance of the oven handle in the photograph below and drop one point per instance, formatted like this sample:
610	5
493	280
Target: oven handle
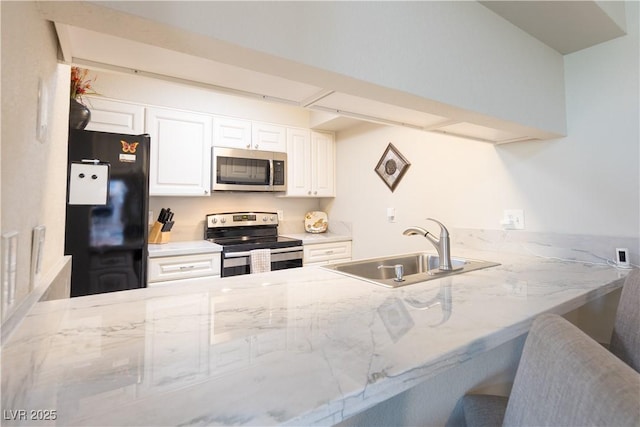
273	251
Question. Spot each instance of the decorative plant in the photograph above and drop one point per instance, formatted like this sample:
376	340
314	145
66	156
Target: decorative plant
80	83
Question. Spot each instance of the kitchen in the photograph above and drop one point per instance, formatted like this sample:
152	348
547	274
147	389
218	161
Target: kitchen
559	183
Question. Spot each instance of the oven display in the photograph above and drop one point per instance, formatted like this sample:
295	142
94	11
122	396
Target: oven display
244	217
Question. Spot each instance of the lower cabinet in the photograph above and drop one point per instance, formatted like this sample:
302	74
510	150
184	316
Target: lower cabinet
173	269
326	253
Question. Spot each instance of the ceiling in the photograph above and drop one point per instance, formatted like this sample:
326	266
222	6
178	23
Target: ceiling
565	25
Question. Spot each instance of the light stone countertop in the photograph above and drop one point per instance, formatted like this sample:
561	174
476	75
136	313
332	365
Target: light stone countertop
311	238
303	346
183	248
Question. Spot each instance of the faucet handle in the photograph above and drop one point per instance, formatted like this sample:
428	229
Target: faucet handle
443	230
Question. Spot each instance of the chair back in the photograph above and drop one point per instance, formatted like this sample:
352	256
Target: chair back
565	378
625	340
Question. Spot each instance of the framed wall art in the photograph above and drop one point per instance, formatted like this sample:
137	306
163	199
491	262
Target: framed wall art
392	167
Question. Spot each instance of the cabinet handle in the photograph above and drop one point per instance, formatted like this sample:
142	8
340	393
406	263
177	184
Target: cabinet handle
328	252
315	192
248	145
309	192
187	267
256	147
206	192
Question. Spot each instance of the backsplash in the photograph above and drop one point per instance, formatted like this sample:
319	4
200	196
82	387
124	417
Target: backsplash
573	247
190	212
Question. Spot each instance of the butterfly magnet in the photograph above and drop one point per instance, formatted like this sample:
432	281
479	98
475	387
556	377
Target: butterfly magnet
128	151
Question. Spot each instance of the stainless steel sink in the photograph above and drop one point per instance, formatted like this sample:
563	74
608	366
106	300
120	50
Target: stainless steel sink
418	267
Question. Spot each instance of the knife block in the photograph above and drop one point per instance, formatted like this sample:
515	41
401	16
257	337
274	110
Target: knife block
156	235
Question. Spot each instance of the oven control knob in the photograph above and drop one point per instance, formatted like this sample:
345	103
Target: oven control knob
264	218
214	220
273	218
223	220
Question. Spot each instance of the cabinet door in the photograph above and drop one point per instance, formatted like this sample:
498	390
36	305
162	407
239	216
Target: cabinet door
232	133
180	152
115	116
322	164
298	162
268	137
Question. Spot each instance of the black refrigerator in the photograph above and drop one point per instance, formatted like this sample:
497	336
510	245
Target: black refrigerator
107	211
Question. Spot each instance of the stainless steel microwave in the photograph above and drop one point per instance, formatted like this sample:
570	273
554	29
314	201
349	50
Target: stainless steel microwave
235	169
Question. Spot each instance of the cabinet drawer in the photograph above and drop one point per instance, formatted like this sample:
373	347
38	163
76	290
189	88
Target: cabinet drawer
183	267
325	252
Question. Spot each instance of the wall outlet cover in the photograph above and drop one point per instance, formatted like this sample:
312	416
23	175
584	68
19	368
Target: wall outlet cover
513	219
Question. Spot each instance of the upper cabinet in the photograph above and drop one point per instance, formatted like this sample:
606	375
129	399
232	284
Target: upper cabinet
268	137
232	133
323	161
109	115
311	163
237	133
180	152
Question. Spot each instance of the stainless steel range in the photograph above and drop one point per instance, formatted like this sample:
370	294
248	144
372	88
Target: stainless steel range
241	232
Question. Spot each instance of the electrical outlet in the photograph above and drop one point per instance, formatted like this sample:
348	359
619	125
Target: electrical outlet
280	215
391	214
151	218
513	219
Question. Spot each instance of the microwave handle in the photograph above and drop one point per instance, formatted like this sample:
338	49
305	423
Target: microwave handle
271	173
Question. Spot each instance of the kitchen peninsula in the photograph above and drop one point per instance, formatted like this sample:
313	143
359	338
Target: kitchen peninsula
303	346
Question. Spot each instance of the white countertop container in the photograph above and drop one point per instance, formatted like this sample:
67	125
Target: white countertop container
303	346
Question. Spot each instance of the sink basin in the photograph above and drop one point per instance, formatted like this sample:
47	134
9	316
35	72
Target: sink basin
418	267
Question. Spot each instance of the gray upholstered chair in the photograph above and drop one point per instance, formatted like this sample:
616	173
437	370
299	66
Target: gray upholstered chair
625	340
564	378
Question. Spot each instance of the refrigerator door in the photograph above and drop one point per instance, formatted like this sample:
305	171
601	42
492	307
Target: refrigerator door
108	241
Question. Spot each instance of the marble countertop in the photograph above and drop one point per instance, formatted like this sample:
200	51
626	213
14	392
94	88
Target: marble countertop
311	238
183	248
304	346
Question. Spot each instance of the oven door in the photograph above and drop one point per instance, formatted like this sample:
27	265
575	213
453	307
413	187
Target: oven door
237	263
241	170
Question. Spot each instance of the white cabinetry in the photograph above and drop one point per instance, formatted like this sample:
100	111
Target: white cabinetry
170	269
326	253
311	163
268	137
232	133
180	152
248	135
115	116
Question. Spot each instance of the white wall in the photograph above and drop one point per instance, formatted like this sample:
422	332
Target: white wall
570	185
33	173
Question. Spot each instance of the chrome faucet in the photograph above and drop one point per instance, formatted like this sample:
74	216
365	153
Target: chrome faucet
441	244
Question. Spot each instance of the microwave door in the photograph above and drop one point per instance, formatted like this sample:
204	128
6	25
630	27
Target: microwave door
239	171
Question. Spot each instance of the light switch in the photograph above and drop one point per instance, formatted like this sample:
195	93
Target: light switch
88	184
9	270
